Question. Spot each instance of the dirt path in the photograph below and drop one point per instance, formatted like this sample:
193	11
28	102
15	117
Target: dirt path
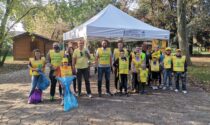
158	107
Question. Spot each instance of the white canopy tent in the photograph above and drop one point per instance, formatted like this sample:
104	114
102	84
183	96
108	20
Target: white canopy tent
112	23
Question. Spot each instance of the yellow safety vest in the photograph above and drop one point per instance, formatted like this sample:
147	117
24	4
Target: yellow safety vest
104	56
155	67
143	75
167	61
66	71
56	57
136	63
117	53
123	66
178	64
36	64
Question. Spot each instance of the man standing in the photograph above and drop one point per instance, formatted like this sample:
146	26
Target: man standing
104	62
80	63
54	60
116	55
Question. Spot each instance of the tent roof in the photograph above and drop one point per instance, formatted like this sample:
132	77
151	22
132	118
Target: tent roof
113	23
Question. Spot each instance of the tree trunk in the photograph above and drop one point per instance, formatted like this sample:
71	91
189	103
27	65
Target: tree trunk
181	29
4	55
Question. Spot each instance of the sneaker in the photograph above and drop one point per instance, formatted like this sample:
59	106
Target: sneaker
109	94
171	88
153	87
126	94
184	91
89	95
29	102
52	98
164	88
62	103
78	94
176	90
142	92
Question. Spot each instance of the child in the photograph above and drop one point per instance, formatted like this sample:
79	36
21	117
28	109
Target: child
64	71
167	61
180	68
155	70
143	74
123	65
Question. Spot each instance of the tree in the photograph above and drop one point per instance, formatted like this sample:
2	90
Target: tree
181	31
12	12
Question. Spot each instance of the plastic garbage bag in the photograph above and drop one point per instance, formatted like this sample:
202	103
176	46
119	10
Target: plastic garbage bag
36	97
70	100
43	81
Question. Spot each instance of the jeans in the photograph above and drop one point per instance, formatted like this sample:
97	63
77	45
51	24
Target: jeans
123	82
183	77
85	73
135	82
34	81
116	79
106	71
167	76
53	84
75	85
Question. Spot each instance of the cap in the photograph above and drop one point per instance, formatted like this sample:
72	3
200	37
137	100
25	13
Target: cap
178	50
64	60
168	48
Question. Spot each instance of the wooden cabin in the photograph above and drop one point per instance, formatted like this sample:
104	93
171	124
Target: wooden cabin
25	43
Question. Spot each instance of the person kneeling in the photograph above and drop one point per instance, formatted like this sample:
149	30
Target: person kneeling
64	71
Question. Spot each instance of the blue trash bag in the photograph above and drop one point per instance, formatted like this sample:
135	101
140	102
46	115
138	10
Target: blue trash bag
70	101
43	81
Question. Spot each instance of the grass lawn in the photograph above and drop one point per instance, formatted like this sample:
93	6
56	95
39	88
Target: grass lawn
199	73
9	59
10	65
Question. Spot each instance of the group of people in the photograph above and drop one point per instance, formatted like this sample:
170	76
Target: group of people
146	68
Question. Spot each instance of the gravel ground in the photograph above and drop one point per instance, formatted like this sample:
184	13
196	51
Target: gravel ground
155	108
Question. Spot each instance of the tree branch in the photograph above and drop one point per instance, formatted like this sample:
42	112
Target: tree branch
19	19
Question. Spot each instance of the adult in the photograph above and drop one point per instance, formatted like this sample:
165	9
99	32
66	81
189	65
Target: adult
68	54
104	62
36	64
54	60
135	65
81	56
156	52
116	55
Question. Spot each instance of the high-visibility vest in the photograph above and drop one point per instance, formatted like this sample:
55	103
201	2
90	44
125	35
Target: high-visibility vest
178	63
123	66
65	71
167	61
117	53
143	57
155	67
36	64
136	63
104	56
143	75
56	57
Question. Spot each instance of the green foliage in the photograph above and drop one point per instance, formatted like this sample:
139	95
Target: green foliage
201	73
